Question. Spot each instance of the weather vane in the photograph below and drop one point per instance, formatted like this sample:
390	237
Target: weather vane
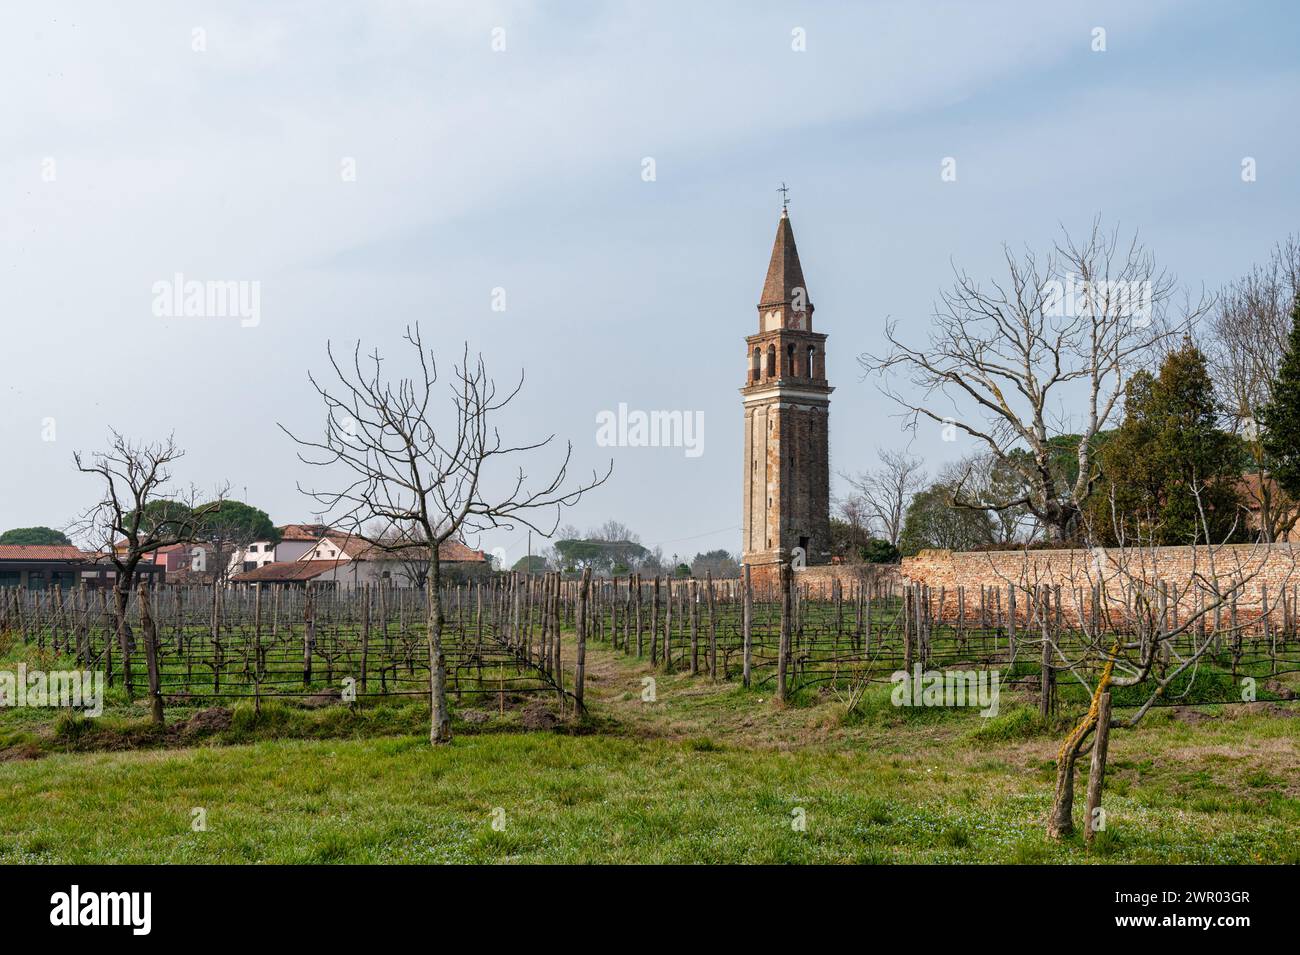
785	196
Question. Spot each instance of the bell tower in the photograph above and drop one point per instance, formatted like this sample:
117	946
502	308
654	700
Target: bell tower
787	404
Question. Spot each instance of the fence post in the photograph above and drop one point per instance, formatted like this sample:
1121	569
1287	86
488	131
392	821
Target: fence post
365	635
783	652
580	670
151	656
308	633
668	625
746	627
713	628
1011	624
1097	771
1046	679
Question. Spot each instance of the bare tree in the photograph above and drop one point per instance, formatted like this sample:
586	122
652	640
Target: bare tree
980	480
421	484
138	515
885	492
1063	332
613	531
1132	628
1249	332
853	511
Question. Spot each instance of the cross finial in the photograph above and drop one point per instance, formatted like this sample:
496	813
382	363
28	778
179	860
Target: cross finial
785	198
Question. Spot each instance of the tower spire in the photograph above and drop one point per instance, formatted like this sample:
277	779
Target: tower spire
784	274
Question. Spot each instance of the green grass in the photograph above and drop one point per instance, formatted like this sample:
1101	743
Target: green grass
579	799
705	773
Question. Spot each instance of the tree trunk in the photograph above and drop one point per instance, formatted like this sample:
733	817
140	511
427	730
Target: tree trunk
121	598
439	717
1061	821
151	657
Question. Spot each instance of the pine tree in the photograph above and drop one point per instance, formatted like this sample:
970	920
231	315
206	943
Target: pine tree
1168	468
1279	418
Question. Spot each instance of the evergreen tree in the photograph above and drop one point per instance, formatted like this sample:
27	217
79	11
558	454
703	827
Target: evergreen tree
34	535
1279	418
1168	452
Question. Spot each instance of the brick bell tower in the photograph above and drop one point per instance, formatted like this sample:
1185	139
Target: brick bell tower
787	404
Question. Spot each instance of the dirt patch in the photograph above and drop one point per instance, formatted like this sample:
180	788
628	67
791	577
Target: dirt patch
204	723
1272	709
1190	715
316	701
1279	689
537	716
22	751
475	716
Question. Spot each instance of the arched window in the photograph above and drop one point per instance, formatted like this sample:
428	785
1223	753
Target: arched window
771	361
811	366
789	370
756	365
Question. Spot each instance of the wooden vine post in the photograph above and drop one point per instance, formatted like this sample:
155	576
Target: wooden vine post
747	622
150	633
1097	770
580	669
783	652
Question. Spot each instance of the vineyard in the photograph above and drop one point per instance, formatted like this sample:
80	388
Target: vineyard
515	637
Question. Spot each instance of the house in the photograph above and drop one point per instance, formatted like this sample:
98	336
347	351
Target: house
339	560
295	541
41	566
287	573
181	560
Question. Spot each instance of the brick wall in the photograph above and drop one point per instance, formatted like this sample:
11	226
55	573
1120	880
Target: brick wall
820	577
1270	572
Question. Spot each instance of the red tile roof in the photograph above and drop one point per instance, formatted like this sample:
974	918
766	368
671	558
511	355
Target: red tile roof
304	532
287	570
455	551
43	552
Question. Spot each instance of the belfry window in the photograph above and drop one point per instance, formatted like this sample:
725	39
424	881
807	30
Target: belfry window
771	361
789	370
811	366
756	365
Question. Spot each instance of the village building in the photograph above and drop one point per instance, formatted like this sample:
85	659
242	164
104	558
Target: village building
44	566
338	560
295	541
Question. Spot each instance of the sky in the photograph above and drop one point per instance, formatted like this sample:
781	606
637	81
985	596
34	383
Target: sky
584	193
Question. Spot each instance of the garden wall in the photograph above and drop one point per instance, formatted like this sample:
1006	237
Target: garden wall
1270	575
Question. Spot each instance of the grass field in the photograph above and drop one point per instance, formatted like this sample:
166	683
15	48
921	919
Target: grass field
704	774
